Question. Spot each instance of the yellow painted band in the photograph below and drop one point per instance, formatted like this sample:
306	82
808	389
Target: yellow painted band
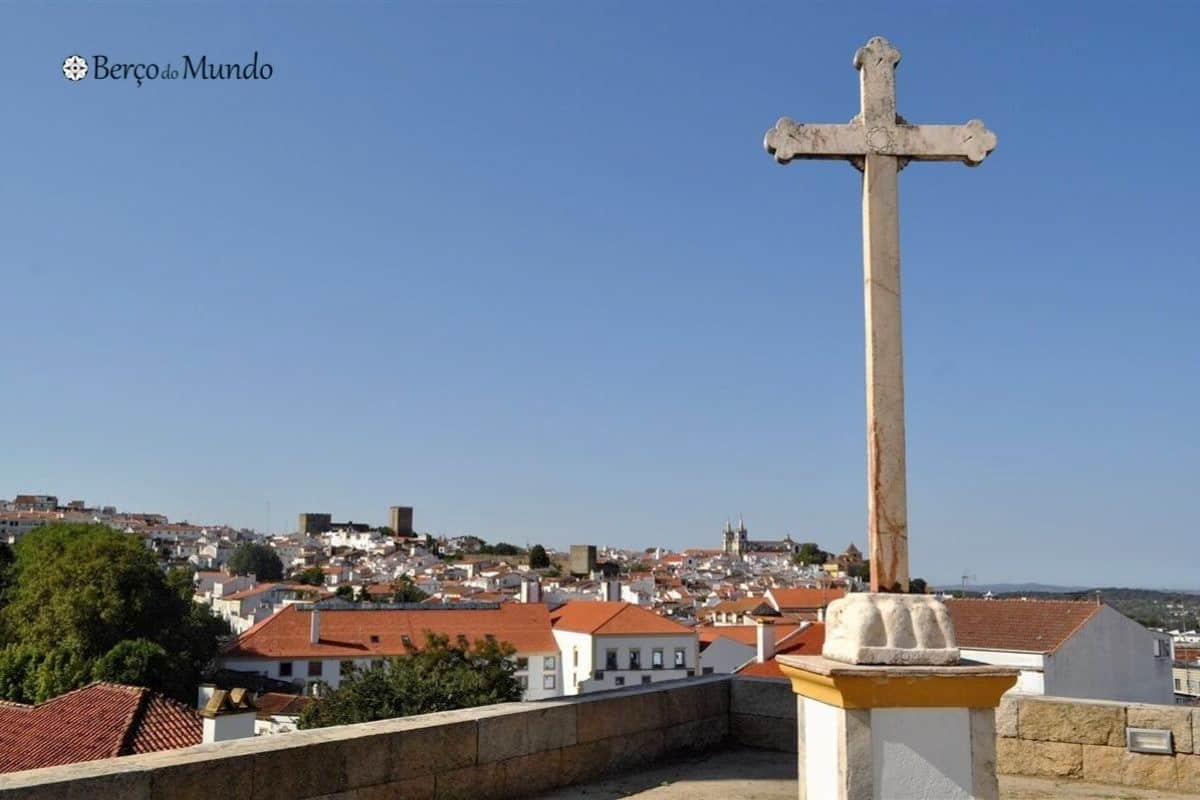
890	691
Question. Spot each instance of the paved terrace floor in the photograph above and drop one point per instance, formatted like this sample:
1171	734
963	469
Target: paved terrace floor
746	774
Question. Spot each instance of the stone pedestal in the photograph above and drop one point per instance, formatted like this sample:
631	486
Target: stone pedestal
896	732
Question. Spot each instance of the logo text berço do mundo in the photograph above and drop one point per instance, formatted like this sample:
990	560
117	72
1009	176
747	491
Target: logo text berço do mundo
75	68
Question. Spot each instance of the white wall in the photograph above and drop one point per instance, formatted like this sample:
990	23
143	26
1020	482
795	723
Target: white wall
724	656
331	671
592	654
919	753
1031	679
1110	658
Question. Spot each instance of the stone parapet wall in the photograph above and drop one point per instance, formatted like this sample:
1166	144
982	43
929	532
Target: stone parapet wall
500	751
1084	740
762	713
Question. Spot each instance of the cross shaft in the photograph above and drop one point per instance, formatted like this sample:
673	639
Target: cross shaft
880	142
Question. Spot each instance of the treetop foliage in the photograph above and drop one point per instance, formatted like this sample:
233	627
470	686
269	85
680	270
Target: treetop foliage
442	676
255	559
86	602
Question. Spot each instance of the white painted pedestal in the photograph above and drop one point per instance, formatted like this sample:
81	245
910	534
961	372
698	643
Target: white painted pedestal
896	732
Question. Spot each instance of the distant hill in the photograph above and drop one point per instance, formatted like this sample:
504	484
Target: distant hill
1010	588
1153	608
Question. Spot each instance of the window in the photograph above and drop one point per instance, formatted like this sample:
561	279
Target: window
619	681
656	658
645	679
707	671
1161	648
680	658
635	659
522	662
346	668
1178	685
549	663
547	681
285	669
314	669
575	656
610	659
599	675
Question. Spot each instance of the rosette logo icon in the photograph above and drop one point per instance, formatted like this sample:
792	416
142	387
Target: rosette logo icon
75	68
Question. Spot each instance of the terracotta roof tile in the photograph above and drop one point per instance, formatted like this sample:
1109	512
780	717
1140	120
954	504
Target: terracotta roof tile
354	632
804	597
804	642
268	704
1032	626
583	616
100	720
744	634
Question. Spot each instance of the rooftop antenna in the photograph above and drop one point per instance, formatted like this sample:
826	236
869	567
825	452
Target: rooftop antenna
966	578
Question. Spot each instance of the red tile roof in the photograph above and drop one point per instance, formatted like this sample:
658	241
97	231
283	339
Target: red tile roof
101	720
349	632
803	598
744	634
1032	626
745	605
583	616
269	704
805	642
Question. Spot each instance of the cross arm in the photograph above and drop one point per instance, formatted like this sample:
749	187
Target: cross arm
789	140
970	143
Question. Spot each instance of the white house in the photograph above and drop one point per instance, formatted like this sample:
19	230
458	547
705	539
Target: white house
606	645
307	644
727	648
245	608
1067	649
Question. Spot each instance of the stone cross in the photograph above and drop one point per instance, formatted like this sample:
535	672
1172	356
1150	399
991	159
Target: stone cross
880	143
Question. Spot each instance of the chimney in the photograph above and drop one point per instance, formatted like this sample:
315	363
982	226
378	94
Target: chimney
227	715
531	590
764	640
610	591
314	628
205	692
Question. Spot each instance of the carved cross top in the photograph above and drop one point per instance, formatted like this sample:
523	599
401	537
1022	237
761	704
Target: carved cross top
878	128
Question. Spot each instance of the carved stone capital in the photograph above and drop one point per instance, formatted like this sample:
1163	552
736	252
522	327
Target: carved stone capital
902	629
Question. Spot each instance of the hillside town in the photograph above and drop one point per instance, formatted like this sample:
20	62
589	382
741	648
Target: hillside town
348	596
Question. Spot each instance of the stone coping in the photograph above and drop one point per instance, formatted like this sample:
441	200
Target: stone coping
866	686
828	667
483	753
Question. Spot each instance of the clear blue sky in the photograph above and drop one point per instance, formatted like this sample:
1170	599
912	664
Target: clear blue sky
527	268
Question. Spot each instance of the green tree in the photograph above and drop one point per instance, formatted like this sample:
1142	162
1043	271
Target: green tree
810	553
501	549
255	559
137	662
78	591
345	592
407	592
917	586
182	581
861	570
442	676
538	558
311	576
